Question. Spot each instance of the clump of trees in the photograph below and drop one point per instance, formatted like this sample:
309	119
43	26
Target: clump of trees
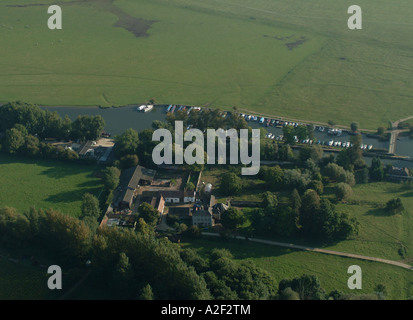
26	126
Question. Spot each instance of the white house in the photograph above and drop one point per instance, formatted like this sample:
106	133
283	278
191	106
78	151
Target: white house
179	196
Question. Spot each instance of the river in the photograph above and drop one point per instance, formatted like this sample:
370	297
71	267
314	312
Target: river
119	119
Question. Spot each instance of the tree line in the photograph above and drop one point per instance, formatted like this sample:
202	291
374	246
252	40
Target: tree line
136	265
24	128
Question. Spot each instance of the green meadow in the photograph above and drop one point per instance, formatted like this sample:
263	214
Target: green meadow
294	59
46	184
284	263
381	234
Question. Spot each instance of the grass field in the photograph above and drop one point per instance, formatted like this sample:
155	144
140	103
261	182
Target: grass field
381	235
284	58
331	270
45	184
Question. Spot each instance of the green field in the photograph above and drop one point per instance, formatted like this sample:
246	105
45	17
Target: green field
292	58
331	270
45	184
381	235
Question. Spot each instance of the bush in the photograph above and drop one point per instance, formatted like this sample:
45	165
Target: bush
343	191
394	206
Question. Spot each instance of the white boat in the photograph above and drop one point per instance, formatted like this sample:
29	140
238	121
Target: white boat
145	108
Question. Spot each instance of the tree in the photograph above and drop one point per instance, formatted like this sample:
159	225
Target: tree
288	294
362	176
233	218
305	153
231	184
288	132
90	211
111	178
123	276
343	191
317	186
376	170
354	151
274	176
127	142
381	291
269	200
14	140
146	293
295	201
308	287
395	206
87	127
190	186
310	203
354	126
14	228
148	213
317	153
90	206
129	161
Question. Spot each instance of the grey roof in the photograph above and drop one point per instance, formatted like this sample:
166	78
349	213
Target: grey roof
129	181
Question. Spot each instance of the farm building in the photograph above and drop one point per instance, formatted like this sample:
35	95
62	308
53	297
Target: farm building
130	180
175	196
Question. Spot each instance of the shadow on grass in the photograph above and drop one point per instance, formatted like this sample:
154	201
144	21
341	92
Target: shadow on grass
72	196
378	212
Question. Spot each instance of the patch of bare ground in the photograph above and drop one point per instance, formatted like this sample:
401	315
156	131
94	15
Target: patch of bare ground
137	26
295	44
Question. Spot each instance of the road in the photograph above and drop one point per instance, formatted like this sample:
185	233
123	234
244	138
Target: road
305	248
395	133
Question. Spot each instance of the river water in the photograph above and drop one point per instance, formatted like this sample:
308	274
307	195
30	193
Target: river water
119	119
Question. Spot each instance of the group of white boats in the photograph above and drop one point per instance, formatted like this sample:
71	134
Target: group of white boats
172	108
275	123
330	143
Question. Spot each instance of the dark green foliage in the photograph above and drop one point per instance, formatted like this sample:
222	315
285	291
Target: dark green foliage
395	206
343	191
376	170
245	279
354	126
111	178
362	176
64	236
128	161
233	218
87	127
146	293
153	261
307	287
148	213
274	176
231	184
127	143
